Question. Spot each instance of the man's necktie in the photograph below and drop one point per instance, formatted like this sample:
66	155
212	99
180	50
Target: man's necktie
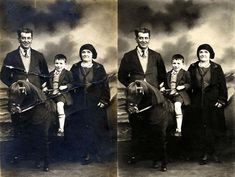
25	52
143	54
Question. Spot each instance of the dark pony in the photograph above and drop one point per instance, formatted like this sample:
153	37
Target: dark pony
157	112
34	114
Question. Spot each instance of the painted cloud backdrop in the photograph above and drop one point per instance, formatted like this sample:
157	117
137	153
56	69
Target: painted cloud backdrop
180	26
62	26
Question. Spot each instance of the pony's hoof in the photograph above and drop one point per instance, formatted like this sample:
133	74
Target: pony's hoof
155	165
14	160
37	165
203	161
86	162
216	159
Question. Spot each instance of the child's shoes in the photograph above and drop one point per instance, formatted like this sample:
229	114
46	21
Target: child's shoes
60	133
177	133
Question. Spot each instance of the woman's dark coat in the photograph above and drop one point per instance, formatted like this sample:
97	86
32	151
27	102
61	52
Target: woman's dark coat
206	99
90	120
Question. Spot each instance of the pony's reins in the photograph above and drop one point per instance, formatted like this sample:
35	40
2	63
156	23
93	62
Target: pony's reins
144	109
47	97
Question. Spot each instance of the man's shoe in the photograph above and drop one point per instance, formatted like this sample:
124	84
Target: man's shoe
131	160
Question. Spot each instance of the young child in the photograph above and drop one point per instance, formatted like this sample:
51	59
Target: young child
61	81
177	83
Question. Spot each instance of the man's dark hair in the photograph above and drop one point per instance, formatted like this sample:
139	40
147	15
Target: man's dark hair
60	57
177	57
24	30
142	30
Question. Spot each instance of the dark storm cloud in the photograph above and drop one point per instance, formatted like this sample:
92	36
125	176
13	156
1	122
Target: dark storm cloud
5	46
133	14
111	55
182	46
16	14
122	45
229	54
65	46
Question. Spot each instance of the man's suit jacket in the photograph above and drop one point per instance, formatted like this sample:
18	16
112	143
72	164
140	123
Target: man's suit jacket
183	78
65	78
130	69
37	69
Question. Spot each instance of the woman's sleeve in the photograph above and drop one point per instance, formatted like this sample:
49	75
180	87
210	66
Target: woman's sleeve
187	80
70	80
73	75
223	92
105	96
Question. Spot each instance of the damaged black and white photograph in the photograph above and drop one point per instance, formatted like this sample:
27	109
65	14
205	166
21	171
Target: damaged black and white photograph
58	88
176	88
117	88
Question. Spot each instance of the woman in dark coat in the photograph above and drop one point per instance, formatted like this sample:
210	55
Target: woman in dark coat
91	100
208	96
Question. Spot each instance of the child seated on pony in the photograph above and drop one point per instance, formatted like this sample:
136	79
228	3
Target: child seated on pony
60	82
175	87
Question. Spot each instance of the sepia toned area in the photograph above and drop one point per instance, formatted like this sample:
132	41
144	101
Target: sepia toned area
178	27
60	27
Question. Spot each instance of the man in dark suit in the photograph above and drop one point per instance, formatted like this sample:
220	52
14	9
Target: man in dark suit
25	63
141	63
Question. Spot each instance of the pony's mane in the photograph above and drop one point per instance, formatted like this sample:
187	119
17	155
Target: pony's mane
31	91
158	98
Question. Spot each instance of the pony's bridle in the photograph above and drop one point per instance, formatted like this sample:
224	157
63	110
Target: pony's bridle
135	109
16	108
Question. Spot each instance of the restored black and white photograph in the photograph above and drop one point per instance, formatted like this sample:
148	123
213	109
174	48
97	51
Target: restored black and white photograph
117	88
58	88
176	88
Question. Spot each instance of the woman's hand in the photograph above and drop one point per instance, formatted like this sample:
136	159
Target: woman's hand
162	88
180	87
45	89
101	105
63	87
133	110
218	105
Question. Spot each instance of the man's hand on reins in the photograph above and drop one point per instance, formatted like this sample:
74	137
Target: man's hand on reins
132	109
